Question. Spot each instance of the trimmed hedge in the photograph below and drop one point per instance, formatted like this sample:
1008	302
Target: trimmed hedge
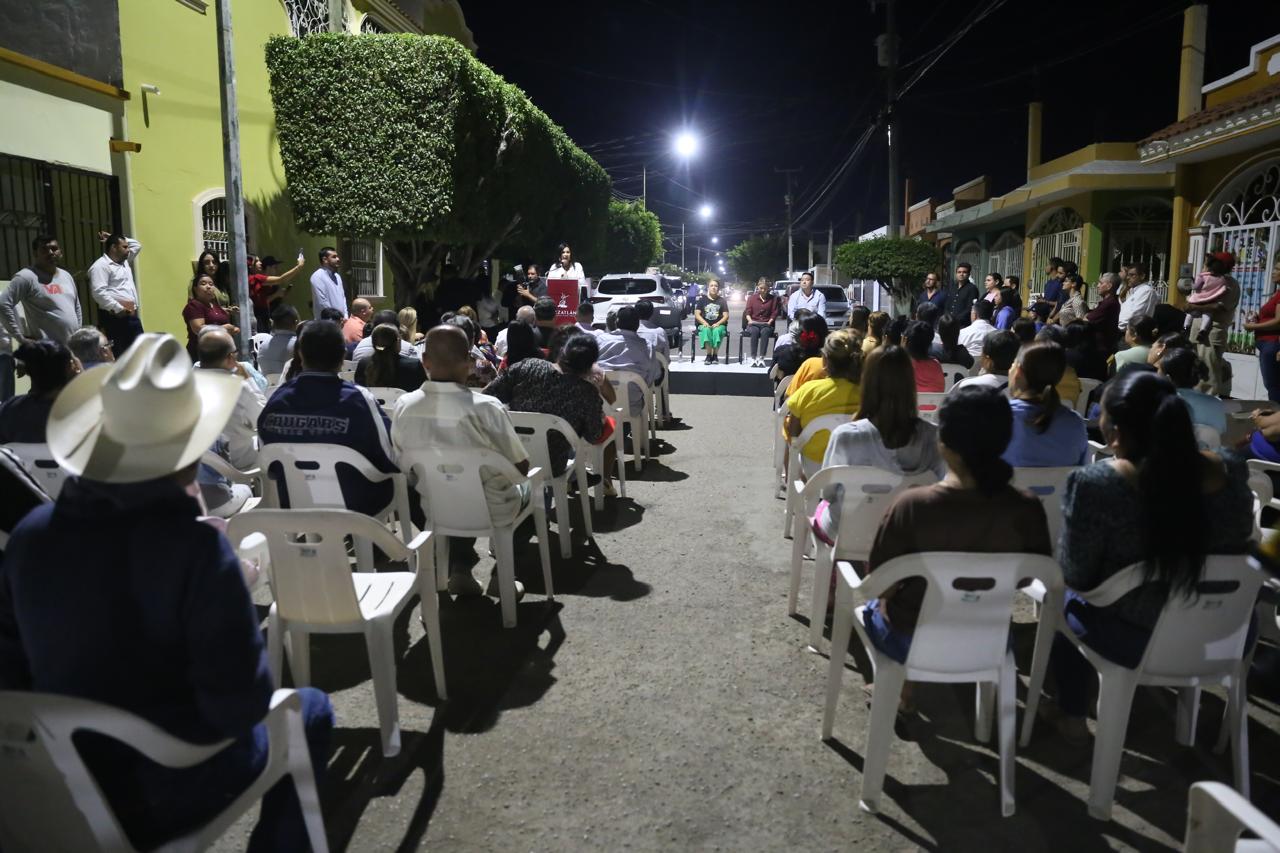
412	140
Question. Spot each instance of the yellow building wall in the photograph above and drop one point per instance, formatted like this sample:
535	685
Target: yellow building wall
174	48
1244	86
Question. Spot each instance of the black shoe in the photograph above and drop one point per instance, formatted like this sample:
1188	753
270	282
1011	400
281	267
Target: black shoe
707	360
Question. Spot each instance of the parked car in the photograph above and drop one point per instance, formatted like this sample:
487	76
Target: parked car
617	289
838	304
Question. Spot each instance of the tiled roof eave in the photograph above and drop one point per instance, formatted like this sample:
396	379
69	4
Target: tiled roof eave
1254	118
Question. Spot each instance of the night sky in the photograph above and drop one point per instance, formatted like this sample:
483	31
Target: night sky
794	85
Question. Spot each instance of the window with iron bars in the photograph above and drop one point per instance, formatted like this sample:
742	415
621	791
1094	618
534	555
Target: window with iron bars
364	266
313	16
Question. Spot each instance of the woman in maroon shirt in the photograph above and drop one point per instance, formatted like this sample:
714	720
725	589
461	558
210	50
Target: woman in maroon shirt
1266	334
757	320
203	308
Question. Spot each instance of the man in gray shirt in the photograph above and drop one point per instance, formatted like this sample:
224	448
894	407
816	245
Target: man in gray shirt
47	294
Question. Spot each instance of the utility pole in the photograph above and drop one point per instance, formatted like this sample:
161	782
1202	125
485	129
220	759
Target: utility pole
831	261
644	186
888	59
231	175
682	266
791	264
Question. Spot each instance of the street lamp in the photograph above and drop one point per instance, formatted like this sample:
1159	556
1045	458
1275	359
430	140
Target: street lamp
705	211
684	145
715	241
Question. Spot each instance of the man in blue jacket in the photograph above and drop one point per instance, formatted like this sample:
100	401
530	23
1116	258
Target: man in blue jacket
118	594
319	407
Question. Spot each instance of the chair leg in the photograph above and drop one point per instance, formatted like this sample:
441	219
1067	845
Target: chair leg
560	488
824	566
441	550
841	628
382	663
505	553
304	783
275	647
300	656
1188	713
1045	630
884	710
1238	724
620	458
1008	732
544	546
585	496
364	554
984	709
429	614
597	462
1115	698
798	539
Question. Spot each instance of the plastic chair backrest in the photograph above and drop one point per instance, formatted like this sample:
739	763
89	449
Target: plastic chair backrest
40	464
1047	484
820	424
928	403
533	429
867	494
48	799
1086	388
1205	634
386	397
260	340
784	385
953	373
1216	817
968	606
311	471
308	568
1207	437
622	380
449	481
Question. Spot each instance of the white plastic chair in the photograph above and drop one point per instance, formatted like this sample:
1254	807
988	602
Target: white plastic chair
1217	815
928	403
962	636
533	429
315	592
311	482
868	492
795	466
1047	484
1197	641
1082	401
49	800
953	373
386	397
260	340
662	393
449	481
780	448
40	464
622	380
1098	451
780	393
1207	437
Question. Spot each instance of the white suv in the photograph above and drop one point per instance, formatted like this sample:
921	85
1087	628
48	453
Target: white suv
617	289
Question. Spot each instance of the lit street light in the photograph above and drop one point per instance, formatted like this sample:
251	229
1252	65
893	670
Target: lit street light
686	144
705	211
715	241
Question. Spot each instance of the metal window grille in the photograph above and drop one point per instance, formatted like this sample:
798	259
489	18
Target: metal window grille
364	262
1059	236
1245	221
310	16
70	204
1139	233
969	253
1005	256
372	25
213	227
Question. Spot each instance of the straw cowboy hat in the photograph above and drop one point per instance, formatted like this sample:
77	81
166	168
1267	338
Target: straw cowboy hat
150	414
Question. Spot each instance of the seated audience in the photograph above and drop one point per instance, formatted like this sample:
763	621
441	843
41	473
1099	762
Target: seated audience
651	331
1140	334
1069	386
118	594
586	317
544	319
385	317
284	335
1073	307
877	322
886	432
483	371
445	414
50	365
88	344
237	443
407	319
1158	501
948	349
1084	352
859	322
1024	329
522	343
974	509
1046	433
999	349
626	350
320	407
387	367
524	315
353	330
1185	370
916	340
837	394
975	334
789	358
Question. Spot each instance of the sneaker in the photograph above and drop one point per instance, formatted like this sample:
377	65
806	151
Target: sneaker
707	360
462	583
609	490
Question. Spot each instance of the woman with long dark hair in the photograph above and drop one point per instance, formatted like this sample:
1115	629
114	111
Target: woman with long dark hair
1046	433
1159	501
1008	307
204	309
387	367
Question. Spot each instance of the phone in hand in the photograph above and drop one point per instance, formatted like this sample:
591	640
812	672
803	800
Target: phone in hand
301	256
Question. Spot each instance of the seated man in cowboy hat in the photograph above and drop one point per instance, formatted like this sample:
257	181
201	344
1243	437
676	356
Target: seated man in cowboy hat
119	595
320	407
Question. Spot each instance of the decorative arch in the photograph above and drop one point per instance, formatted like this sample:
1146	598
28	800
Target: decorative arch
1055	221
210	224
1241	190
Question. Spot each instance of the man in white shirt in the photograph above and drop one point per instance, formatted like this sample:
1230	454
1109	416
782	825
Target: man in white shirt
624	349
524	314
112	287
238	442
444	413
326	284
1138	294
808	297
586	318
999	350
651	331
972	335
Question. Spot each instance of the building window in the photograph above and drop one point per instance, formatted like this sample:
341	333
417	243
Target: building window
371	24
1005	256
1058	235
313	16
970	253
364	264
212	227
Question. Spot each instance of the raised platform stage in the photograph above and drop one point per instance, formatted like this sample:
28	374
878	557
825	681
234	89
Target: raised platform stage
730	378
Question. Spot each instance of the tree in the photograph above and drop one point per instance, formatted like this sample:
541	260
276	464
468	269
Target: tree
413	141
633	239
754	257
898	263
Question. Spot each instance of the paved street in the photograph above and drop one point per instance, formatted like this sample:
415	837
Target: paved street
667	702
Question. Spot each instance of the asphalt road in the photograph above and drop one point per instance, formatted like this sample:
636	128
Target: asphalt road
666	702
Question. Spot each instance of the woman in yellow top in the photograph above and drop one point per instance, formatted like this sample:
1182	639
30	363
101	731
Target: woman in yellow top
837	394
